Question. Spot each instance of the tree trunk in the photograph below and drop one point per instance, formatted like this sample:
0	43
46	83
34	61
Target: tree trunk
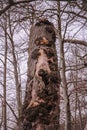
85	127
16	76
41	104
4	84
63	71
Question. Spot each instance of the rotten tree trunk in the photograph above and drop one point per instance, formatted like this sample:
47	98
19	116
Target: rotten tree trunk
85	127
41	105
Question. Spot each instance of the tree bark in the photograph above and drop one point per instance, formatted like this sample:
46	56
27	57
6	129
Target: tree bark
41	104
85	127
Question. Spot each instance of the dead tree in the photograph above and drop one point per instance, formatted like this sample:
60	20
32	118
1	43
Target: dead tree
41	104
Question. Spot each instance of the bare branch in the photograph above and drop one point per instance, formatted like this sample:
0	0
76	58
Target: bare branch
12	3
75	41
75	13
10	108
5	9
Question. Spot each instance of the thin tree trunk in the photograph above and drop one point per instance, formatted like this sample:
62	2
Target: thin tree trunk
17	82
77	97
63	76
4	86
1	121
41	104
75	110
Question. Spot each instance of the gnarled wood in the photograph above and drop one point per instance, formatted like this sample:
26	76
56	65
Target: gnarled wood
41	105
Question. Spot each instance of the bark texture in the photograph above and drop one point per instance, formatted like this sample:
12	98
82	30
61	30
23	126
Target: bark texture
85	127
41	105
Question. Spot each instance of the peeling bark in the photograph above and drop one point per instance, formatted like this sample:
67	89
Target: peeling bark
41	105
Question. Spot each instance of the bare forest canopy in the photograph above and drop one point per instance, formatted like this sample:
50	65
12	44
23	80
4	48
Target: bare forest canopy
7	4
68	19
